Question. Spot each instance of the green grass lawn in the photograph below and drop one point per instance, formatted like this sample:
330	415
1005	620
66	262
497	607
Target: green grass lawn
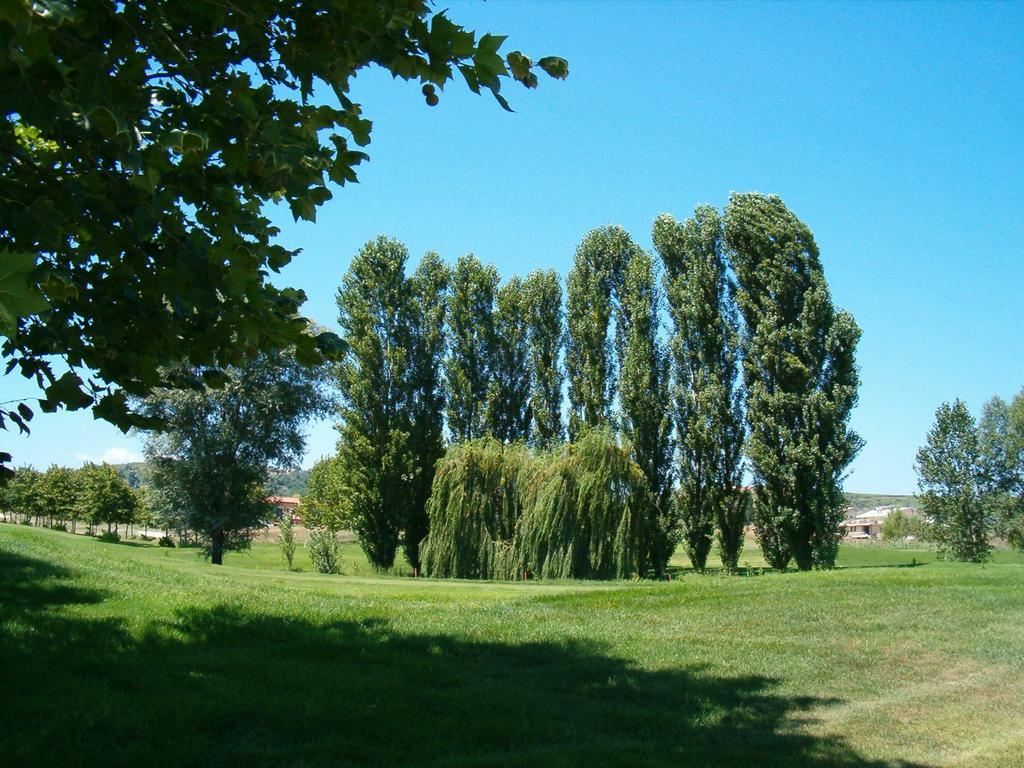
135	655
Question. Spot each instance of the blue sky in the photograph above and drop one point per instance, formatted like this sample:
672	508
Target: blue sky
894	131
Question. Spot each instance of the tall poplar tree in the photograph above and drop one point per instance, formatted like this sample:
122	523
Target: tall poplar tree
801	381
429	296
643	388
467	368
508	398
545	317
374	446
705	385
590	355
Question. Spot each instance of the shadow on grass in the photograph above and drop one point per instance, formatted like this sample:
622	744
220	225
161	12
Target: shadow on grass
226	687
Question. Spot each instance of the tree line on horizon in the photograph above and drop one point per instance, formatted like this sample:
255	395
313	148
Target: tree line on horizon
448	369
59	497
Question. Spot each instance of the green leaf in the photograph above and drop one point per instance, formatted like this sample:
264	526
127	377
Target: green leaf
519	65
303	208
279	258
555	66
491	43
186	141
503	101
66	391
113	407
19	297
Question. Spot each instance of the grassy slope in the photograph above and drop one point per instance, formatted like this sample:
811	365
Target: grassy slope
128	655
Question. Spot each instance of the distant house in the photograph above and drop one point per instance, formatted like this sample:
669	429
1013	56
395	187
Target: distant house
868	525
286	505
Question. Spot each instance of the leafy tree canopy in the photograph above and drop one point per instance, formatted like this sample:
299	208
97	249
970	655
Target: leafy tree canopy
1001	436
952	483
139	143
211	460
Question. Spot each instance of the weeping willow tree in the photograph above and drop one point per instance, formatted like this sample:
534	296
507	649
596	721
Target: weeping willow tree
473	510
583	512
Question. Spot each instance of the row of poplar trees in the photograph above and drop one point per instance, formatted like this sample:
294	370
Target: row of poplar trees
754	363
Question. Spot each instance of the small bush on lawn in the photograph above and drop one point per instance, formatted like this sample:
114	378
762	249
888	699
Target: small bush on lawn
165	541
286	540
59	527
110	537
323	550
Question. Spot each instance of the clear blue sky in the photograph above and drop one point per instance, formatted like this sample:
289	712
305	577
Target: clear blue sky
895	131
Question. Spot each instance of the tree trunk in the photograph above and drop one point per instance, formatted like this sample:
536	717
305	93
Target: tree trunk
217	547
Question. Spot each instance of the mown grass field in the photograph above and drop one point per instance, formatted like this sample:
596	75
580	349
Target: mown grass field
133	655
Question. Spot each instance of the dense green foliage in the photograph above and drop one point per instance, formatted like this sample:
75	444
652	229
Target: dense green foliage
1001	445
428	342
211	458
474	508
105	498
140	144
22	492
286	539
62	495
900	526
95	494
374	450
584	512
644	402
323	550
325	503
801	381
502	378
952	483
281	482
591	289
504	511
545	319
707	398
468	367
508	397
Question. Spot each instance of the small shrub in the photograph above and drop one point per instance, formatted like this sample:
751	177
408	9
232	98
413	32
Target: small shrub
110	537
287	539
59	527
323	550
165	541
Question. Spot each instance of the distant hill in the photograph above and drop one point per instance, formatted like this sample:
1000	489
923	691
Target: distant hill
288	482
864	501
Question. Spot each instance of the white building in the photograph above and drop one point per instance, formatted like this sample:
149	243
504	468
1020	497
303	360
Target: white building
868	525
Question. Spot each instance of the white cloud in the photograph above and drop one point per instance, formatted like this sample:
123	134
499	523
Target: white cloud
113	455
